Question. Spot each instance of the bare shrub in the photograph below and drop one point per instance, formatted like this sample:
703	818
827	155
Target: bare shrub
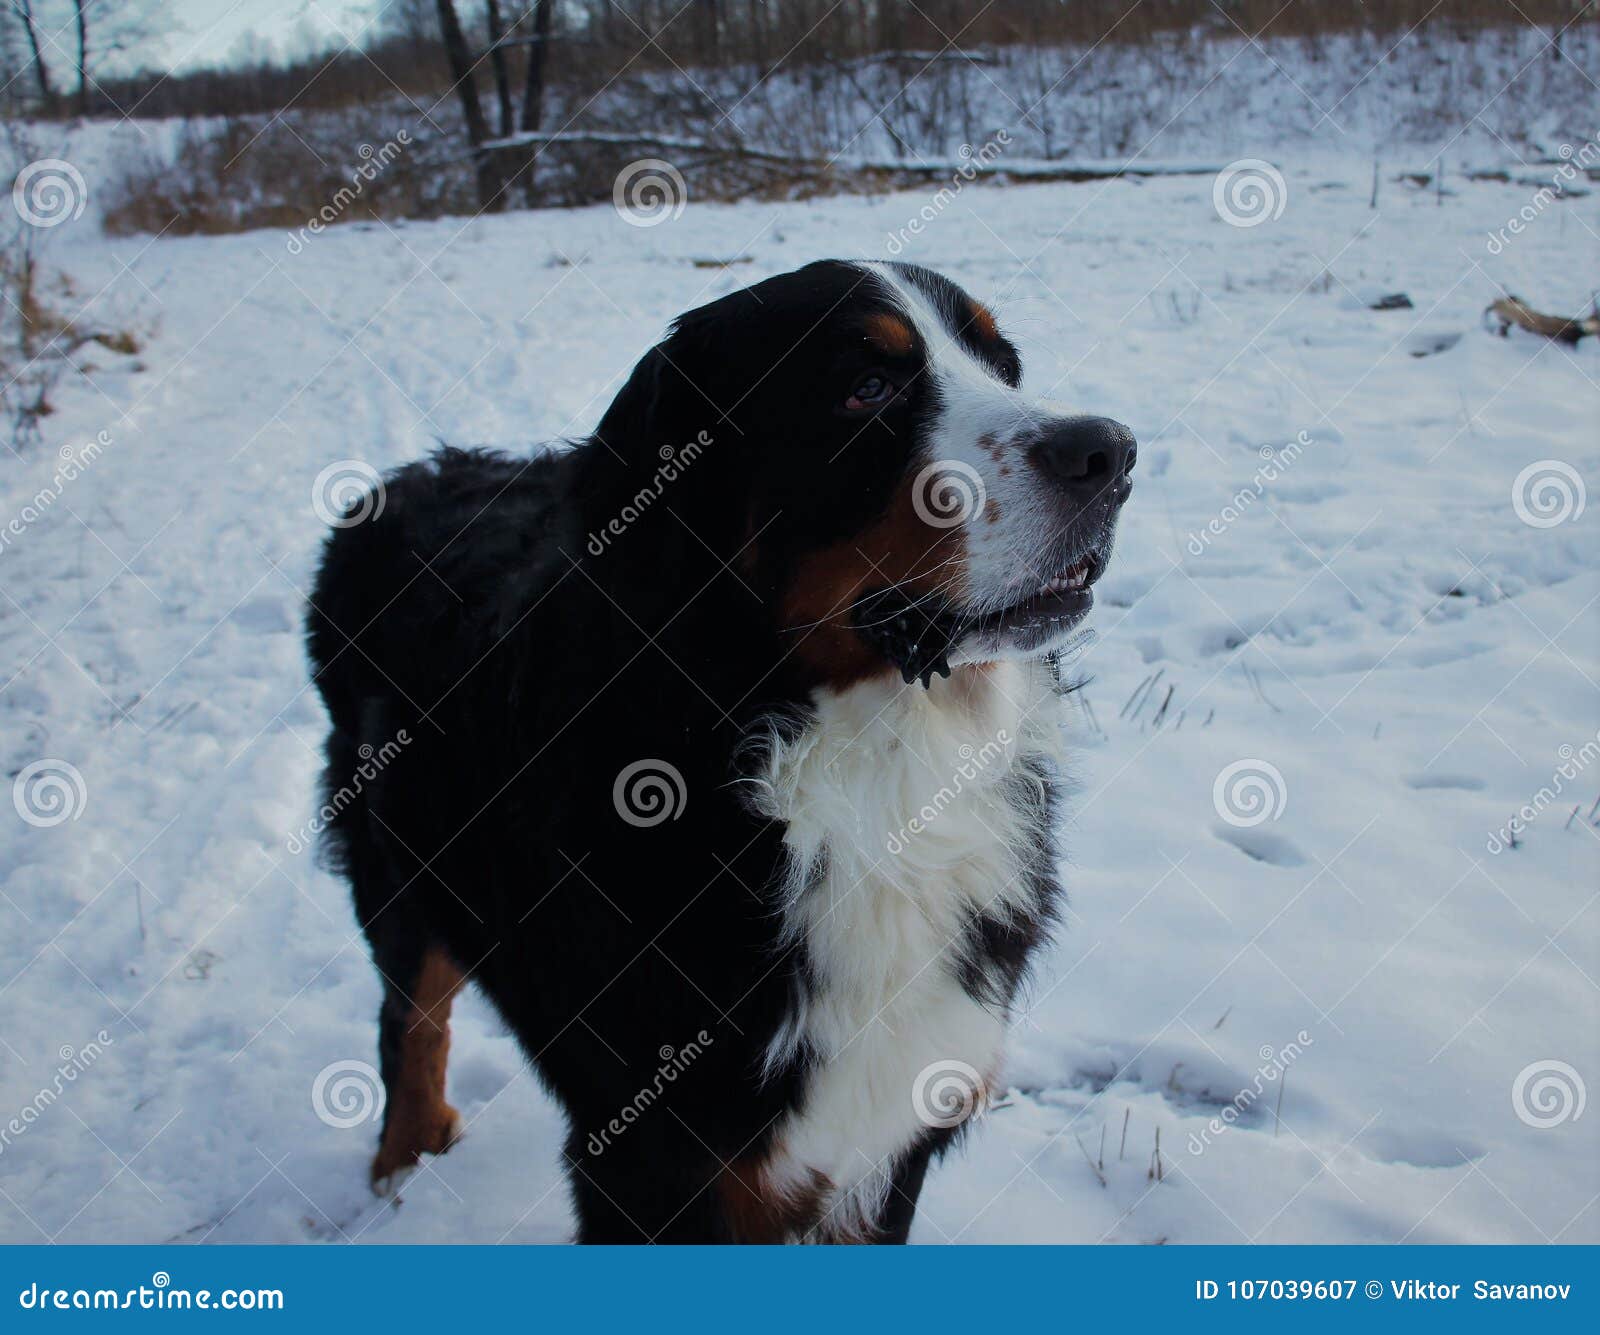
240	173
43	319
841	110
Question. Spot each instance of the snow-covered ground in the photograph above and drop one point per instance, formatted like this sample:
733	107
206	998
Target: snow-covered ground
1373	632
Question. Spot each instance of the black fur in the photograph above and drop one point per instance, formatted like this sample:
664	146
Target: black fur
530	649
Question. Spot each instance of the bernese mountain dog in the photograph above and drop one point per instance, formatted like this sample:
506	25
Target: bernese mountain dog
727	752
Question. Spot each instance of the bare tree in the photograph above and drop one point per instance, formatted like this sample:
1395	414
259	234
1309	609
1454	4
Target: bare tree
81	14
708	33
104	28
491	182
538	50
414	20
22	10
100	28
533	92
495	30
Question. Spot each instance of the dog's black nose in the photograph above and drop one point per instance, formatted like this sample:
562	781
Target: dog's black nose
1088	455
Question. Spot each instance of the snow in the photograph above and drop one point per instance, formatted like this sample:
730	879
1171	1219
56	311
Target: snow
1377	627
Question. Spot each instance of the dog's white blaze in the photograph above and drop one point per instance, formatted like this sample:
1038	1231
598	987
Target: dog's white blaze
1005	534
882	929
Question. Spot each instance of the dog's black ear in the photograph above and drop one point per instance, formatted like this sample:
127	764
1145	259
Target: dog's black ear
671	398
656	477
635	415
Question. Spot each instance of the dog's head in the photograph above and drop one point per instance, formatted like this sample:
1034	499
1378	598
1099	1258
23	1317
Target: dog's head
866	462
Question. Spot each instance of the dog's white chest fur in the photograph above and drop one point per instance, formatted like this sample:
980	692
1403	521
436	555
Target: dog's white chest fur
899	798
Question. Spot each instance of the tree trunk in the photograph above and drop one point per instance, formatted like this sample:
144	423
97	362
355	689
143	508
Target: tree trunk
491	184
756	28
82	8
533	92
710	32
1509	310
24	11
497	60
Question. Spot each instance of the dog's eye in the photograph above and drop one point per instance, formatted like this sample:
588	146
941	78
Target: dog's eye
872	391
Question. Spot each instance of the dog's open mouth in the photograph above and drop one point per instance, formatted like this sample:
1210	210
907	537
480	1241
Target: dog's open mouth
1063	598
919	634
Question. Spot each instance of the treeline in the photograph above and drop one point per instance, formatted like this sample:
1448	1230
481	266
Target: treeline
591	42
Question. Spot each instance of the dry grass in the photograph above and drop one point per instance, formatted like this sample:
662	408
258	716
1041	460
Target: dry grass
39	338
281	173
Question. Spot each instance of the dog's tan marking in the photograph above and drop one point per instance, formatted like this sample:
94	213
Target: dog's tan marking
901	548
984	321
890	334
760	1211
418	1121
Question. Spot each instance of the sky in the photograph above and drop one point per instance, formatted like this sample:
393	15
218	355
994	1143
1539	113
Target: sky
209	32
